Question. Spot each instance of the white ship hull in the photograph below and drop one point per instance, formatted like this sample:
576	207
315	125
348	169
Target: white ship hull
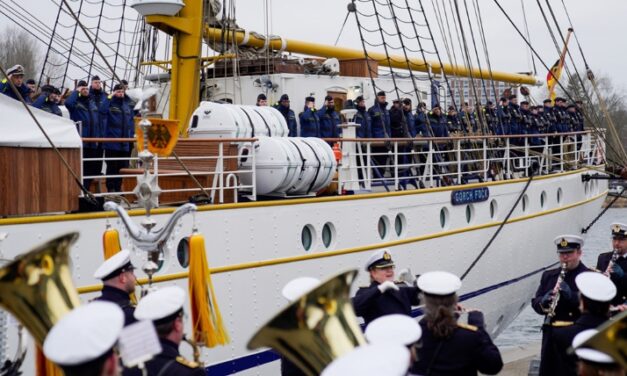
255	248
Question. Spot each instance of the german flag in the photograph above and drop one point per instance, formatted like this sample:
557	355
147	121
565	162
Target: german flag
553	76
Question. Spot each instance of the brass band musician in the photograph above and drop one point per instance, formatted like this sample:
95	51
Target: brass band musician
614	263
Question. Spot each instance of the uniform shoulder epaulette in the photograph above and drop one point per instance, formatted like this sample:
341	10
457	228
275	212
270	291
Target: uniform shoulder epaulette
562	323
187	363
468	327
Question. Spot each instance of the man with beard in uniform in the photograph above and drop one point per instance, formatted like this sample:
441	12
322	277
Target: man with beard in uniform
383	296
567	309
118	277
617	271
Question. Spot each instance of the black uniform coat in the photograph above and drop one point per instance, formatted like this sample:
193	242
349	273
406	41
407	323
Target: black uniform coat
168	363
468	351
562	339
122	299
621	283
371	304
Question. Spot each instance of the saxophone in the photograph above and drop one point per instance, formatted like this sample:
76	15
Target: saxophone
610	265
550	312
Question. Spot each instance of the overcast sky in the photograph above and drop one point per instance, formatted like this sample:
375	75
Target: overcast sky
598	26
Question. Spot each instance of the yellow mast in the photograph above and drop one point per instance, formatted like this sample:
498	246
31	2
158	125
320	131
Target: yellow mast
396	61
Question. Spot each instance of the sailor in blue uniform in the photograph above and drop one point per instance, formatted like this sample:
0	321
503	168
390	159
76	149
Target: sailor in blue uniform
596	292
383	296
468	118
362	118
49	100
262	100
118	279
288	114
454	122
83	341
409	117
164	308
618	271
96	92
516	122
450	347
380	117
329	119
309	122
567	309
16	75
437	125
504	116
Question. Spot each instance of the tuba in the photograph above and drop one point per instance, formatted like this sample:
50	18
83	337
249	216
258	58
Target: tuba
36	287
316	328
611	339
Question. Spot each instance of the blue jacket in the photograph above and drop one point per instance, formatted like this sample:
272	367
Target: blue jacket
420	120
363	119
516	120
380	121
5	88
439	126
83	109
371	304
561	117
505	120
98	96
44	104
411	123
290	119
118	119
469	120
329	122
309	123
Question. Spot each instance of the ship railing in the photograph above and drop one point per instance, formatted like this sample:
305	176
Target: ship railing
213	163
400	163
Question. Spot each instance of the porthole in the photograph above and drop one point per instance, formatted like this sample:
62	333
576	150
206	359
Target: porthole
559	195
444	217
542	199
399	224
328	234
493	209
382	226
525	203
469	213
307	237
182	252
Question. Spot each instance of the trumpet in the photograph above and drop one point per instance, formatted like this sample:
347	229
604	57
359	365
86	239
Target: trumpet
610	265
195	349
550	312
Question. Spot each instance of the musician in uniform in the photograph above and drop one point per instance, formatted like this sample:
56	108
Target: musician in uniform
450	347
396	329
82	342
596	292
556	297
383	296
618	260
118	279
164	308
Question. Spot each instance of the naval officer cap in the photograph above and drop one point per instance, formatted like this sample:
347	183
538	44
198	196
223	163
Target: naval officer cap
297	287
85	334
371	360
161	306
379	259
396	328
16	70
587	354
439	283
595	286
568	243
115	265
619	230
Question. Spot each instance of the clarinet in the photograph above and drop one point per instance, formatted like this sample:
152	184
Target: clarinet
550	312
610	265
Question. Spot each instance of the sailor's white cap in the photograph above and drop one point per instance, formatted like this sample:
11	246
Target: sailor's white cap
371	360
297	287
162	304
619	230
84	334
439	283
114	265
567	243
595	286
379	259
396	328
15	70
586	353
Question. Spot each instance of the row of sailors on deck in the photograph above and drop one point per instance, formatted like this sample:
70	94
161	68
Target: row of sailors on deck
400	121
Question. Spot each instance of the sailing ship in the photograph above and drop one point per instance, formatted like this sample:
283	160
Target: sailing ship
276	208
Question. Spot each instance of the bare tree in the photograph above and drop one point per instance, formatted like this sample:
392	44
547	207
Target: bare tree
18	47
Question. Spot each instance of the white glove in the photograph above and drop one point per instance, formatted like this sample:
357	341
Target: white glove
387	285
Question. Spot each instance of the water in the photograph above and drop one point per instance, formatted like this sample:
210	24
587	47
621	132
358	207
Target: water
526	328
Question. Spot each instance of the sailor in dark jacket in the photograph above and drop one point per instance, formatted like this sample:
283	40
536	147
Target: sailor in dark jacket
618	271
380	117
362	118
329	119
288	114
409	117
383	296
97	94
16	75
309	122
567	309
49	100
596	292
119	281
450	347
118	121
164	308
438	125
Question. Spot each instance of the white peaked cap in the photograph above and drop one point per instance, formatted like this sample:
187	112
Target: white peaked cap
84	334
383	256
589	354
595	286
160	304
371	360
112	264
439	283
397	328
297	287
